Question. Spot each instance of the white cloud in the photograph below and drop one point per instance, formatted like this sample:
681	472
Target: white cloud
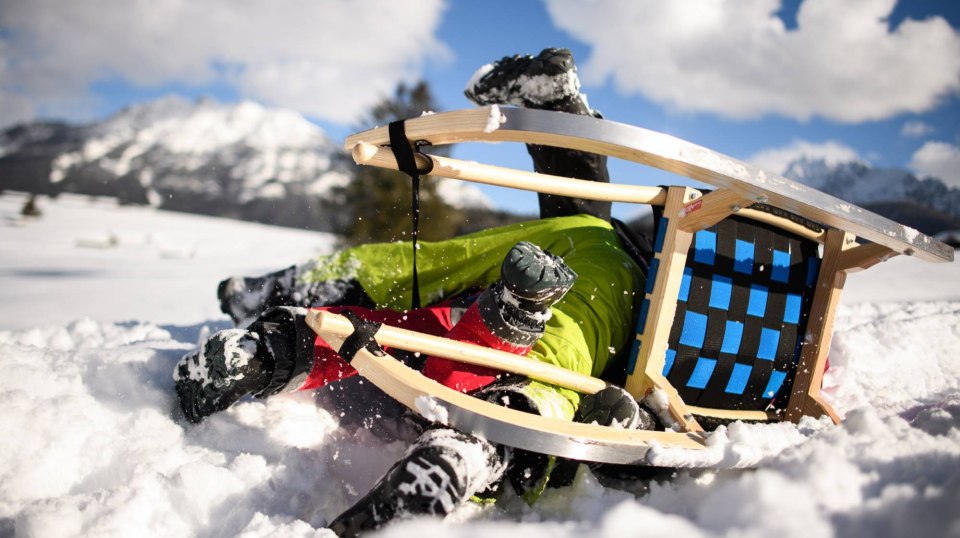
778	159
938	159
915	129
14	109
735	58
326	58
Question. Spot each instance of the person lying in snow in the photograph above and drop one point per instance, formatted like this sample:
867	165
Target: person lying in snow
561	289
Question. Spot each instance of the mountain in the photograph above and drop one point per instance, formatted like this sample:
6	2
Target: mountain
928	204
239	160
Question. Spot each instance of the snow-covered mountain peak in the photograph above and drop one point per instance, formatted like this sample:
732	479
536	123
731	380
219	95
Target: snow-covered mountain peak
203	126
862	184
142	115
177	144
854	181
812	171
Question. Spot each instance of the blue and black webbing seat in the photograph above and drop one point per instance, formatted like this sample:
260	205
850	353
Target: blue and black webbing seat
741	314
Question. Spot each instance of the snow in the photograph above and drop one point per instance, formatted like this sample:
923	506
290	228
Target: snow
494	120
89	338
163	267
431	409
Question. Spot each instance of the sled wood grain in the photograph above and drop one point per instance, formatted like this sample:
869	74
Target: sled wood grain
805	396
733	415
370	155
395	337
506	426
862	257
504	124
710	209
646	375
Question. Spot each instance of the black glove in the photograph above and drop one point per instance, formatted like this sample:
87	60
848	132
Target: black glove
614	406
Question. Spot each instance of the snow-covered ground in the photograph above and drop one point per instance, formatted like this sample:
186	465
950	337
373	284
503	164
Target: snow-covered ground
99	302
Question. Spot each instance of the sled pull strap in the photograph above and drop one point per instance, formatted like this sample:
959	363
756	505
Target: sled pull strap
407	163
362	337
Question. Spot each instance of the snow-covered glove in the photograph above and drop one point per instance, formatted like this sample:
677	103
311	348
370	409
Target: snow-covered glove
229	365
613	406
275	354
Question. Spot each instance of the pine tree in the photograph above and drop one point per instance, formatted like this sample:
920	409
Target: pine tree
380	199
30	208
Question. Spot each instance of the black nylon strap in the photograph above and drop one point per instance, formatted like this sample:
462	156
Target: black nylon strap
362	337
407	163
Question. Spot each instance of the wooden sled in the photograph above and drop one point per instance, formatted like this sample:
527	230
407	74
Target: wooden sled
837	238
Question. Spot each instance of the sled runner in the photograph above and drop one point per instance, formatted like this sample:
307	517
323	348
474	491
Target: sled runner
740	299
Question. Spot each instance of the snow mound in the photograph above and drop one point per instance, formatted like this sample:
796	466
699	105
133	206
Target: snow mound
93	445
98	449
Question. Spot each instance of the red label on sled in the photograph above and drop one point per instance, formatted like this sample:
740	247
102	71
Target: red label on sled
693	206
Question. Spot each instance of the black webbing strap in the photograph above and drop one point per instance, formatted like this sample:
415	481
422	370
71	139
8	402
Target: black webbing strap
362	337
407	163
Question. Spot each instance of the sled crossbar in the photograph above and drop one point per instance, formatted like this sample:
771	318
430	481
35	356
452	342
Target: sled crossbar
370	155
850	239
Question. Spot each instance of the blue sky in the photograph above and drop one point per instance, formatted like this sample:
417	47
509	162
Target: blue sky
761	80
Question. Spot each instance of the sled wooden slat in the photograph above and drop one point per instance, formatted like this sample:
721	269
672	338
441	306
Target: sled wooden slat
805	396
647	375
507	426
504	124
733	414
709	209
367	154
863	257
395	337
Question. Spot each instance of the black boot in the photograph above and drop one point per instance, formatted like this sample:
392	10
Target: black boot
438	473
614	406
574	164
517	307
548	81
246	298
275	354
528	472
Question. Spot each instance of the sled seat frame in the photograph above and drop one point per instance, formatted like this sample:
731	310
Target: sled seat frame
852	239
